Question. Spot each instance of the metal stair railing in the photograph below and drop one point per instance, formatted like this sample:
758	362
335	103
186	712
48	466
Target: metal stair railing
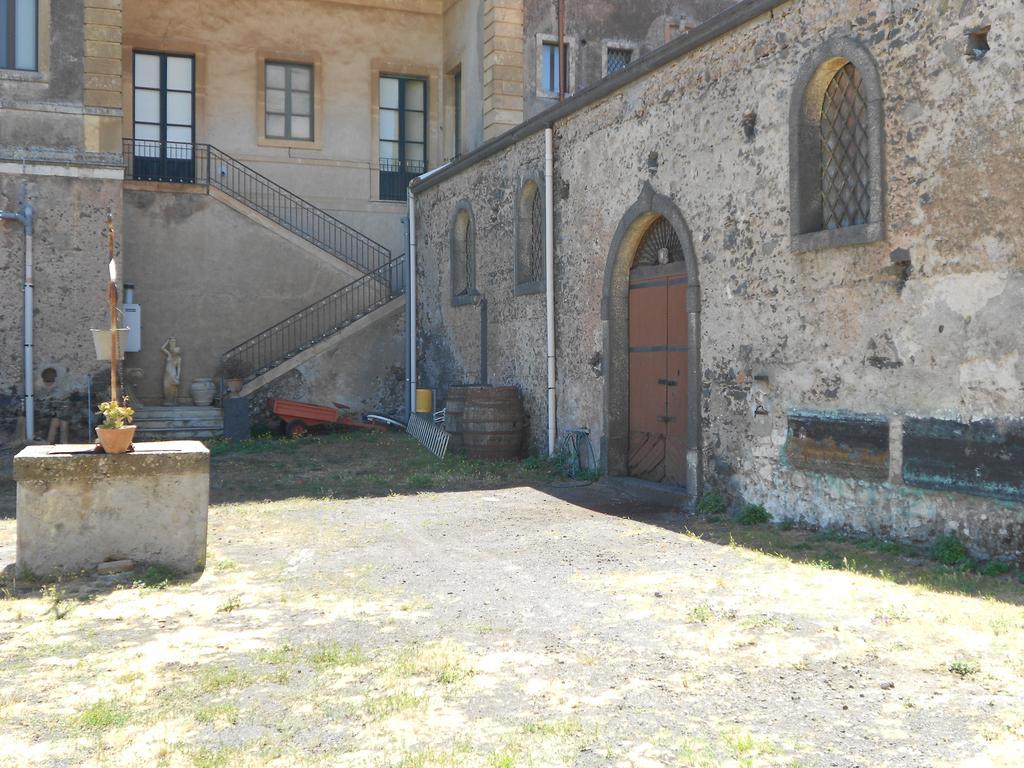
204	164
319	321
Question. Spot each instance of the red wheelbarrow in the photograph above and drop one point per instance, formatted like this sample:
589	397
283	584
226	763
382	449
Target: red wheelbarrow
298	417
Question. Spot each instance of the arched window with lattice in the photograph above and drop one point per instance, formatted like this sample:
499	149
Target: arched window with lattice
837	181
529	237
462	245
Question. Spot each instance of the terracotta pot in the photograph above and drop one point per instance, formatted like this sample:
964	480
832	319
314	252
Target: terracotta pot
116	440
234	385
203	391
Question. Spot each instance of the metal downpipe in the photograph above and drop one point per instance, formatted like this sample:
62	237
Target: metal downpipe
549	279
26	218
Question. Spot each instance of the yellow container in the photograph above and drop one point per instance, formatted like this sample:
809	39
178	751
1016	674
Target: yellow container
424	401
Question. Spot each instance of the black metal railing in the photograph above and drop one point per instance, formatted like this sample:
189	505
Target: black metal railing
395	176
318	321
204	164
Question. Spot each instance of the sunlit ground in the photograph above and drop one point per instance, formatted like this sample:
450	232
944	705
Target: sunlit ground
365	605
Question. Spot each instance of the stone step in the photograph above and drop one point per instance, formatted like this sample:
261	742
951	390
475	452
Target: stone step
178	422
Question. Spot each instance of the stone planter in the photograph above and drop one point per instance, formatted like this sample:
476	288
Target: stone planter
203	391
116	440
234	385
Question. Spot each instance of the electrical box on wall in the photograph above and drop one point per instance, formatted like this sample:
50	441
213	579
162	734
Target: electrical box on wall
133	321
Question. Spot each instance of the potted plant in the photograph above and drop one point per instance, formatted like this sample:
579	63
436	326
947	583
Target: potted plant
234	370
116	432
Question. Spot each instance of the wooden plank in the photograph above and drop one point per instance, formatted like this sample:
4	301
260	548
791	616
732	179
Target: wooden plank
842	445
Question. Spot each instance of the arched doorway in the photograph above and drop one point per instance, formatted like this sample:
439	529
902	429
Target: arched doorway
651	321
658	357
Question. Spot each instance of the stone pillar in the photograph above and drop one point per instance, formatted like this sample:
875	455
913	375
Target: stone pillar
103	81
503	66
78	508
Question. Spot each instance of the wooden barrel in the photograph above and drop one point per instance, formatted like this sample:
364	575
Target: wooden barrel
492	423
454	408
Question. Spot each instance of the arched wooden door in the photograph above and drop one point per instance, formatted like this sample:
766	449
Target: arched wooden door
658	357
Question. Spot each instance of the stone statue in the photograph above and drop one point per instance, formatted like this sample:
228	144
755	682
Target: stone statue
172	370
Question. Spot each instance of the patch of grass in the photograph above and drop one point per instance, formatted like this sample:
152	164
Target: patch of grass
700	614
157	577
219	757
442	662
212	680
571	726
103	716
712	503
421	481
225	564
226	712
331	654
285	653
381	707
964	666
753	514
233	603
432	757
994	568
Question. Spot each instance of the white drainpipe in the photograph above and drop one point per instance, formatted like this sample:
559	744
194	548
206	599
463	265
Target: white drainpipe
25	218
410	298
549	278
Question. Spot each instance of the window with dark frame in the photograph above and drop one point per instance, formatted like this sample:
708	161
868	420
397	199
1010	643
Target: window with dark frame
845	167
163	117
618	60
19	34
550	68
457	88
402	133
289	101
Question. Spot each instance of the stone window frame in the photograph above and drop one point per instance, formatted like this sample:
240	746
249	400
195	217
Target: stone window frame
462	250
572	44
522	234
813	78
41	73
618	45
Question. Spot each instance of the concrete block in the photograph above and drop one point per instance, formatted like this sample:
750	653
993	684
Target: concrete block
78	508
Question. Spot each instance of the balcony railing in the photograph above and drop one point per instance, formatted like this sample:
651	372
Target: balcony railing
395	176
320	320
204	164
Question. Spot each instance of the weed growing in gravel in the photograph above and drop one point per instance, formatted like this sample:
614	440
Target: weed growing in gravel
331	654
216	680
436	758
700	614
233	603
218	713
994	568
382	707
102	716
964	666
443	662
753	514
286	653
156	577
57	606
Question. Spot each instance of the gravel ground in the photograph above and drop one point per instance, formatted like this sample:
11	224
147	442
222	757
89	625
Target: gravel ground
500	627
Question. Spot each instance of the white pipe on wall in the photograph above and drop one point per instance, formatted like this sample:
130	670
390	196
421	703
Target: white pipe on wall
549	278
26	219
410	297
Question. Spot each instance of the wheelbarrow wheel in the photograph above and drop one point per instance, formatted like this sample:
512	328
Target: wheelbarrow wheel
294	428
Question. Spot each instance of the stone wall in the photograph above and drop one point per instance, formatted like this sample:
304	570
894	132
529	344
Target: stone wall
70	276
920	325
212	276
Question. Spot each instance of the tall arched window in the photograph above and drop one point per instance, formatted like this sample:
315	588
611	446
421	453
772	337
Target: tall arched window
836	149
529	237
463	257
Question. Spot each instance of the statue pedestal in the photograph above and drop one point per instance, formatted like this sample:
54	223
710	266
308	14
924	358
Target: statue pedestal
78	508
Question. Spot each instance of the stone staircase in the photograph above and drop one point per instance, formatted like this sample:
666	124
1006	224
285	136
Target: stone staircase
178	422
